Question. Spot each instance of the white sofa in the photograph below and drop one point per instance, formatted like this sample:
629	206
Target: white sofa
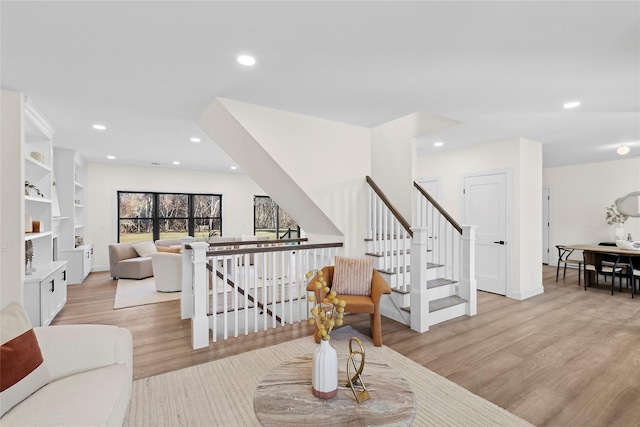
91	371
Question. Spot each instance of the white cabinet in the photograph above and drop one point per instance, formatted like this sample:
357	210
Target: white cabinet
80	260
70	183
45	292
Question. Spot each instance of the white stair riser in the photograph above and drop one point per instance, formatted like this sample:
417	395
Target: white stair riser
401	299
446	314
387	309
389	246
378	261
442	291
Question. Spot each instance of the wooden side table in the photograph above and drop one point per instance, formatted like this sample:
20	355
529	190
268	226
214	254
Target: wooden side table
284	397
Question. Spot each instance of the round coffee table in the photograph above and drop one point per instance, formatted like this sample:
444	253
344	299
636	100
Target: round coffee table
284	397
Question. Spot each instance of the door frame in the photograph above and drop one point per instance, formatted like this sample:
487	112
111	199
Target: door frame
508	204
550	256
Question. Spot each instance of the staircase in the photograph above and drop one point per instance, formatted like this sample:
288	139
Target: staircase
437	255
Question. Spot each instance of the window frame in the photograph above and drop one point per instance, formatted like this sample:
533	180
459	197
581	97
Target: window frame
155	217
278	209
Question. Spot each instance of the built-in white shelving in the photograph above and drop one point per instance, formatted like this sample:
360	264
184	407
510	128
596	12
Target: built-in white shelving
69	171
45	277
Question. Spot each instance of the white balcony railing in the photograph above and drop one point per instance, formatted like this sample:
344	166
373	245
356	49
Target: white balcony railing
244	290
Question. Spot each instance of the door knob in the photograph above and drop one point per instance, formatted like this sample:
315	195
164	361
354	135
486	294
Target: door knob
501	242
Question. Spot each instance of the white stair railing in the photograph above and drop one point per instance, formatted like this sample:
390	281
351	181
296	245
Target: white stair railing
440	239
244	290
390	237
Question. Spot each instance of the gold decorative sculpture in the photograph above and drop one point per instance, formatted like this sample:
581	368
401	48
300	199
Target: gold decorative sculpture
356	378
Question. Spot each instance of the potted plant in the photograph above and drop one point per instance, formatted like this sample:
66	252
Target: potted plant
615	218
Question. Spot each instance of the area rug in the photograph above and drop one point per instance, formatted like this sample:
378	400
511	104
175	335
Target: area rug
220	393
131	293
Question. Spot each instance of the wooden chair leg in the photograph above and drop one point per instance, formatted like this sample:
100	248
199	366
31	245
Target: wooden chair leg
376	329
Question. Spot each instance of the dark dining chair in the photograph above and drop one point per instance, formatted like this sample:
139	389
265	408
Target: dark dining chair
563	258
593	263
634	274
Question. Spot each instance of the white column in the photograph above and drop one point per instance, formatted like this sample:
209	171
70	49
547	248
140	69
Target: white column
199	320
468	285
419	295
186	296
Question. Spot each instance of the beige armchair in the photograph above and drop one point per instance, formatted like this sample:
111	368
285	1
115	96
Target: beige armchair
167	269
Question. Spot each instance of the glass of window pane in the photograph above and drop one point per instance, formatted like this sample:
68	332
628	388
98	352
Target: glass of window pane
135	230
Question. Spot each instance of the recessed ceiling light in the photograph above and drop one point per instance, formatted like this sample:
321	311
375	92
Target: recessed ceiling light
234	168
572	104
195	139
623	150
99	127
438	144
247	60
111	157
176	162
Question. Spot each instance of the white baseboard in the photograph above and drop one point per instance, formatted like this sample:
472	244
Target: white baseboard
527	294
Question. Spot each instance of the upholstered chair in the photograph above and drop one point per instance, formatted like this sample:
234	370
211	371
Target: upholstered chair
369	304
167	269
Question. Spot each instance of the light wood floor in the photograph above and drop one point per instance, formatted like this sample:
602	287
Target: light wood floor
563	358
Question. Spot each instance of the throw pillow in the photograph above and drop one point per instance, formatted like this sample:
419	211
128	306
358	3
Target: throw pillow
22	368
171	249
352	276
145	248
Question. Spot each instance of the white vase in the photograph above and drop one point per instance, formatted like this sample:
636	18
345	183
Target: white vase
324	376
618	232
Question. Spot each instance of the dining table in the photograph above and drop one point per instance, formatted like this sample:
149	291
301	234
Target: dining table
593	254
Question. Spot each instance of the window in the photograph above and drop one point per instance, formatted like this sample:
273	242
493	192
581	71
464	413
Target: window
152	216
270	220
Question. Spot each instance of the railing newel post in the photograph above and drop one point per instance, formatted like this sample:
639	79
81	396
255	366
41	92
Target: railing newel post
199	320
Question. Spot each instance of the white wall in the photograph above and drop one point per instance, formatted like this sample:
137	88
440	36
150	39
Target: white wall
11	199
321	167
523	159
393	157
579	196
103	180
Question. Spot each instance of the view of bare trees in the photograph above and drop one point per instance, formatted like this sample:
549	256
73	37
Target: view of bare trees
137	215
270	219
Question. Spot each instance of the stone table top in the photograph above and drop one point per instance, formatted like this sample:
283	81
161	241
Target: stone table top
284	397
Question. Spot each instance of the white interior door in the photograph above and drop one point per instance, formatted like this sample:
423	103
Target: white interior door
485	206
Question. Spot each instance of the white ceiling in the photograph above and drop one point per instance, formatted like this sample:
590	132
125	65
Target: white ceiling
147	70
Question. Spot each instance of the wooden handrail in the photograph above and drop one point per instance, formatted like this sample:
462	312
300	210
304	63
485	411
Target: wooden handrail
283	248
405	224
440	209
257	242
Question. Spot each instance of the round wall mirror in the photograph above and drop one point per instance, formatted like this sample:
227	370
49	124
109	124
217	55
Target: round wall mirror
629	204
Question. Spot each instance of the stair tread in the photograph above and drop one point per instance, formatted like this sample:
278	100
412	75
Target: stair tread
381	254
434	265
445	302
435	283
395	271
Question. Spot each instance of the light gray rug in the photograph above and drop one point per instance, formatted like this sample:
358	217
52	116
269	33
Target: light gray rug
220	393
131	293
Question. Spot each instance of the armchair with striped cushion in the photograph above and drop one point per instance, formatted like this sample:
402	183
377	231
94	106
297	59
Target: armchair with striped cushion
348	278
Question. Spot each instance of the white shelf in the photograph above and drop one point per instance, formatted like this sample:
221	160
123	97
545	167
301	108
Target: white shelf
78	226
30	162
61	218
33	236
37	199
78	185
